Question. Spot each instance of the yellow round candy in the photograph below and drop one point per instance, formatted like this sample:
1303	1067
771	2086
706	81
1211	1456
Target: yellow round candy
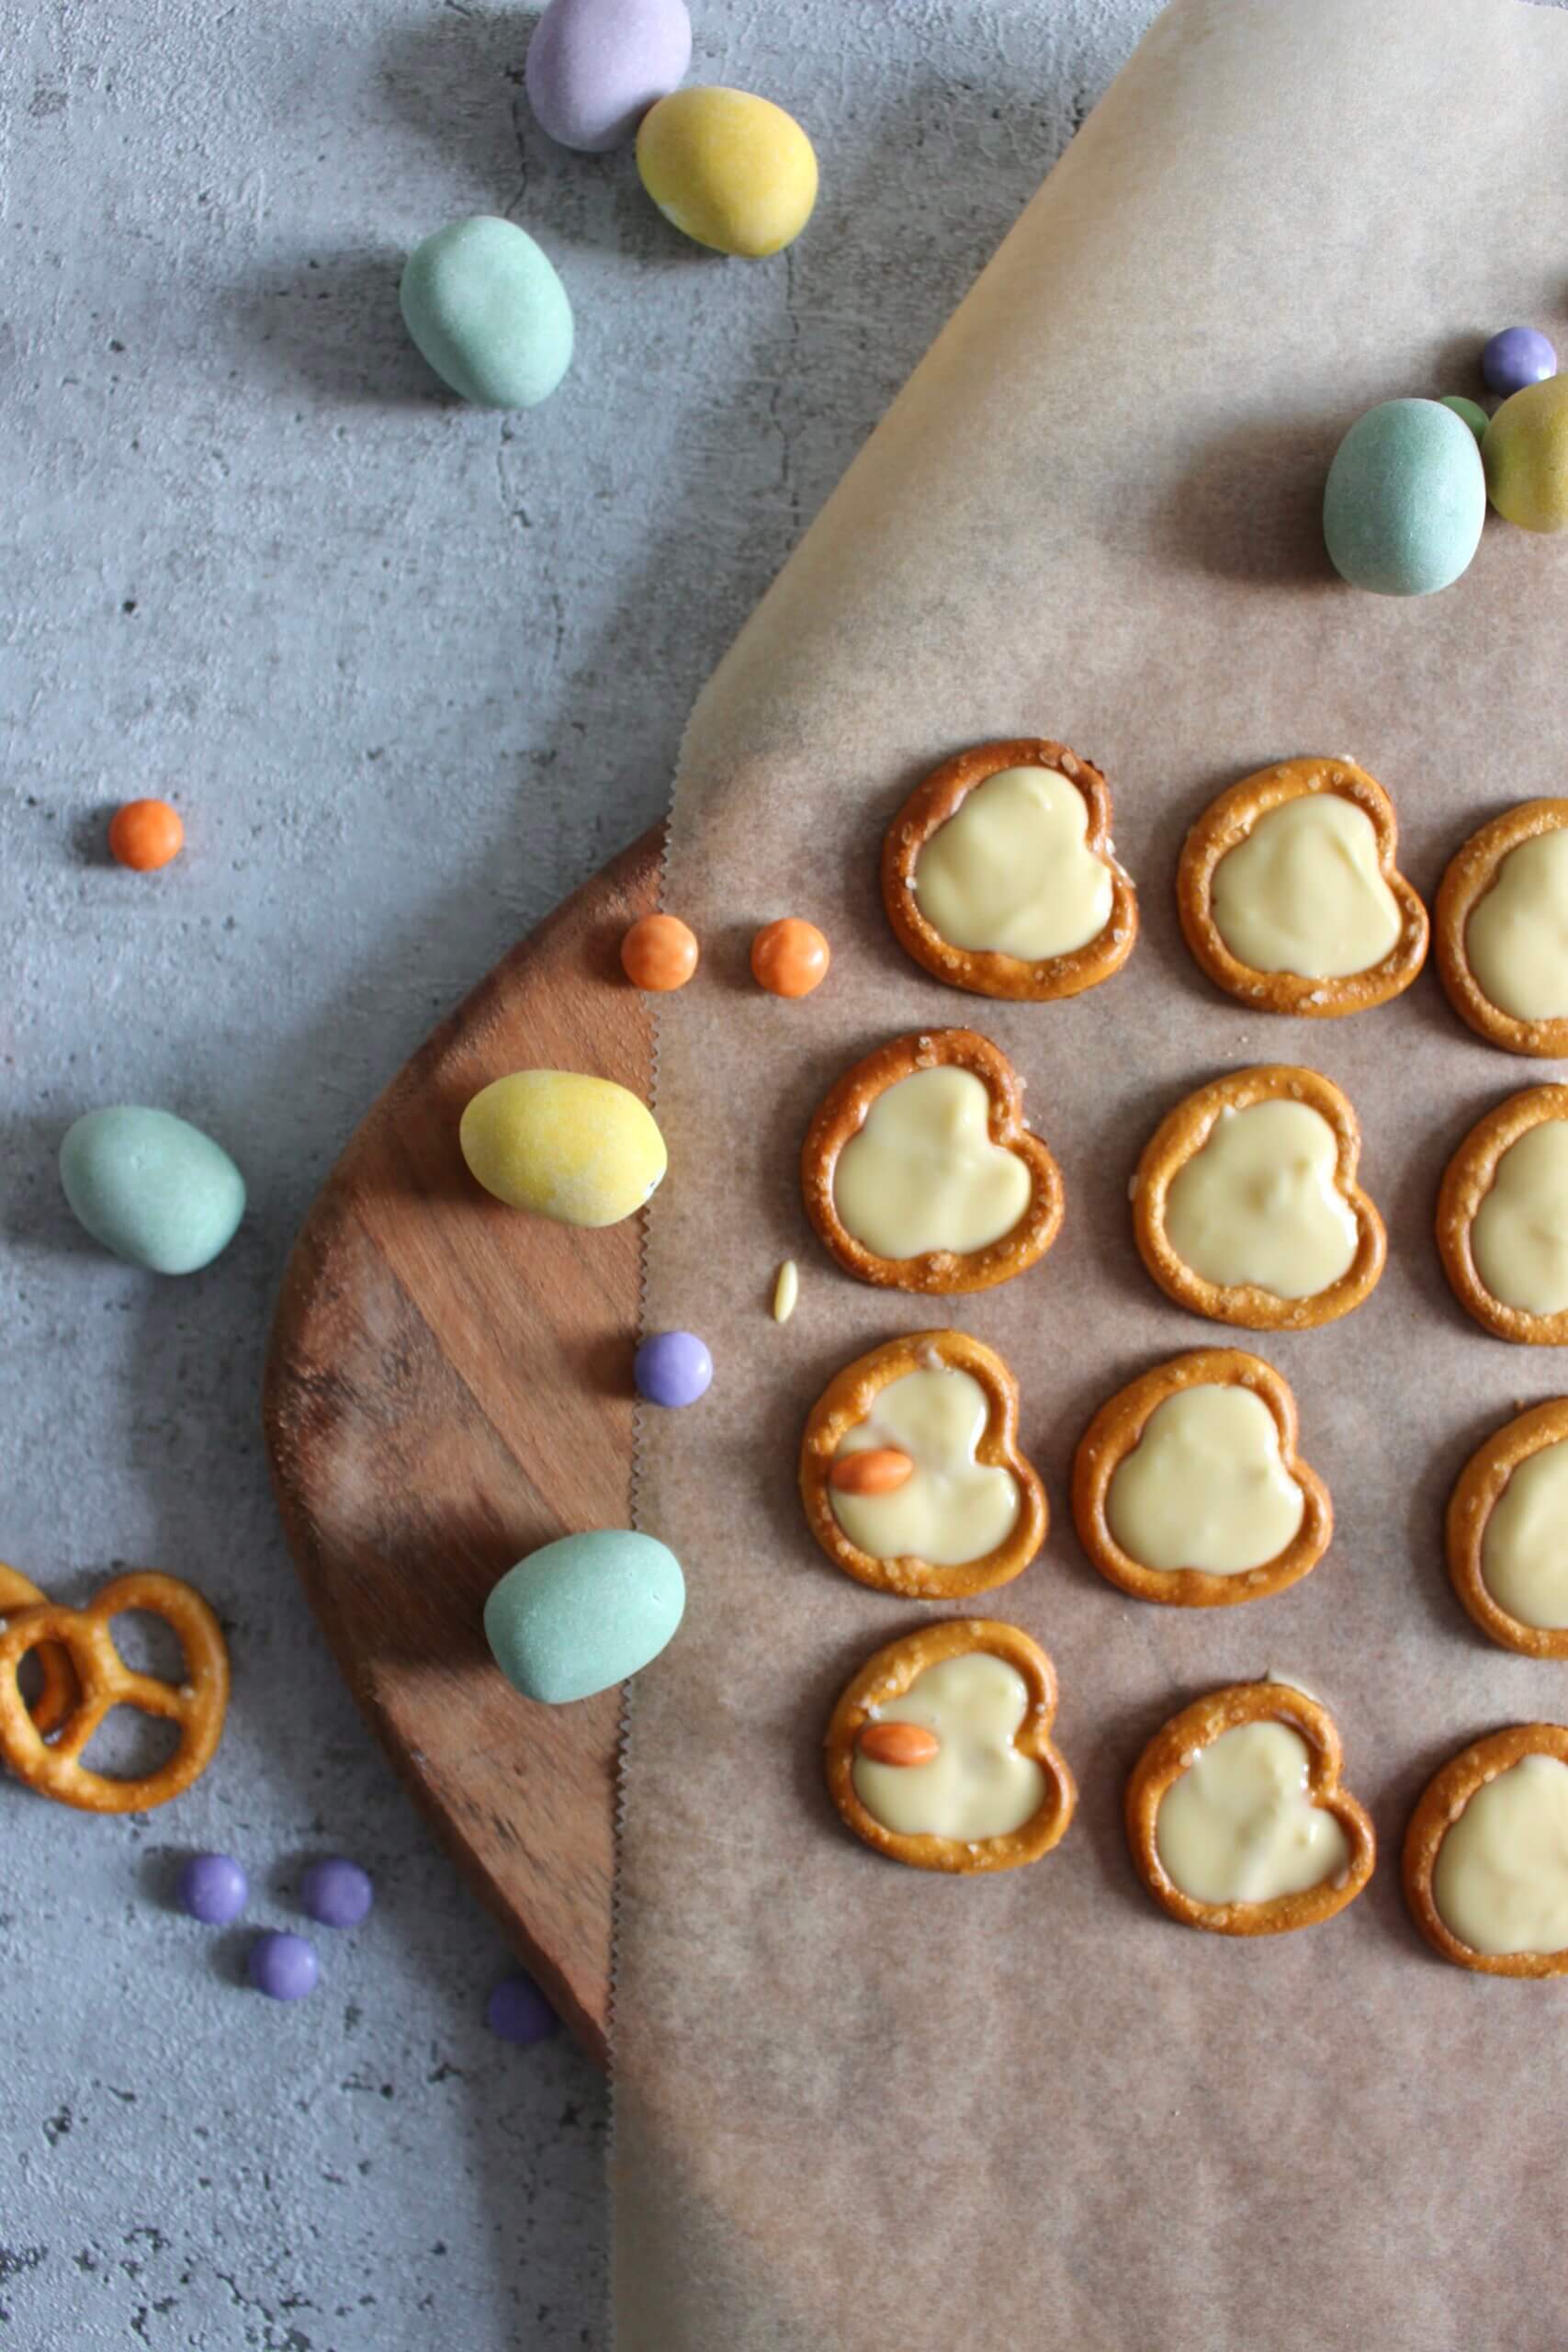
729	170
581	1150
1526	456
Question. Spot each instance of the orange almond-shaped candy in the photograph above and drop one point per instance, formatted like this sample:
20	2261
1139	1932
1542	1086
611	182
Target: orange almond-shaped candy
882	1471
897	1743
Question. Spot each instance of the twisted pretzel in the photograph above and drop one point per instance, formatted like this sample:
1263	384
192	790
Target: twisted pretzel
197	1705
58	1691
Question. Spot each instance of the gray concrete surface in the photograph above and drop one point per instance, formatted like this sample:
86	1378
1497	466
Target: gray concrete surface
411	673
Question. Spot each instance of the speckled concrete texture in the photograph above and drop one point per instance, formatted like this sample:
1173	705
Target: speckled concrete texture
411	674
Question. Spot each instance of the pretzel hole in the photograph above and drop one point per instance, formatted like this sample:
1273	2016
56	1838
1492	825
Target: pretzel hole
130	1746
149	1645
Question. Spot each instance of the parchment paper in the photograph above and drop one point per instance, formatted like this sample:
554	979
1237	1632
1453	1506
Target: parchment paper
860	2106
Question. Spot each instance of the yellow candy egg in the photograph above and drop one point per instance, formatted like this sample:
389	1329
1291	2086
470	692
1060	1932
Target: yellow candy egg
1526	457
581	1150
729	170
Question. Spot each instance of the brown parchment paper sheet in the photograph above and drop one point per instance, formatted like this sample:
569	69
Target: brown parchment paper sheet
860	2106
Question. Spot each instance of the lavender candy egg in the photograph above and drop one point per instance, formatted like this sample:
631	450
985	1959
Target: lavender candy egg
595	66
335	1892
672	1368
1518	356
517	2011
212	1888
282	1966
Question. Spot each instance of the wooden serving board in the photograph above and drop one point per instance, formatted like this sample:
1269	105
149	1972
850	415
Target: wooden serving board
448	1385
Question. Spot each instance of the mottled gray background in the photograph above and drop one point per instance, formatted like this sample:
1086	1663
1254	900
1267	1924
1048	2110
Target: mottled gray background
411	674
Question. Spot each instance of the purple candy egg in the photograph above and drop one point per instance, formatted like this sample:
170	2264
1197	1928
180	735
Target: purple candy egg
672	1368
1518	356
282	1966
212	1888
518	2011
335	1892
594	67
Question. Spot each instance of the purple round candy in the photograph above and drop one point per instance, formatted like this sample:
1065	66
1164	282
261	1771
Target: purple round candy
518	2011
1518	356
335	1892
672	1368
212	1888
282	1966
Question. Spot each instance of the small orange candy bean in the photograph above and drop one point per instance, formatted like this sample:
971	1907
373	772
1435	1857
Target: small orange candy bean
898	1744
789	958
880	1470
145	834
660	952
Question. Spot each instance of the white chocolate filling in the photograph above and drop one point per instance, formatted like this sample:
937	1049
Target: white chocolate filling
1239	1827
1519	1237
1206	1486
976	1785
1517	938
1010	872
951	1508
1523	1547
923	1173
1302	893
1258	1203
1500	1881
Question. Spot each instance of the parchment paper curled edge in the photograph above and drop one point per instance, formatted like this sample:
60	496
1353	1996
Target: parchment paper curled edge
859	2106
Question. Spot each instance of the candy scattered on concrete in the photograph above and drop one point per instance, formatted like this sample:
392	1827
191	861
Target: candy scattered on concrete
335	1892
1518	356
517	2011
731	171
487	309
152	1188
672	1368
212	1888
594	67
145	834
584	1612
282	1965
583	1150
1405	499
660	953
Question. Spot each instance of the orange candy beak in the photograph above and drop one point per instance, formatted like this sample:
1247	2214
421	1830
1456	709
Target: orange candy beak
881	1470
901	1744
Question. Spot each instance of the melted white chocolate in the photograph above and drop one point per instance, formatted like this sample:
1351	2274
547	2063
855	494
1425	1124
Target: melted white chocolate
923	1173
1523	1547
1011	874
1302	893
1239	1827
1500	1881
976	1785
1520	1237
1206	1486
951	1508
1517	938
1258	1203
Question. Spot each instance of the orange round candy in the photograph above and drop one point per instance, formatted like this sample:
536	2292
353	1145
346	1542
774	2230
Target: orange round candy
879	1470
660	952
145	834
789	958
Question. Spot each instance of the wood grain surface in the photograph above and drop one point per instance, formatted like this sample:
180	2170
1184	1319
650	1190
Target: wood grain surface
448	1385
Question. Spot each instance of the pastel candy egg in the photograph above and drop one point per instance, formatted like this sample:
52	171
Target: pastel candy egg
1405	499
1518	356
1474	415
583	1150
1525	451
595	66
152	1188
584	1614
729	170
486	308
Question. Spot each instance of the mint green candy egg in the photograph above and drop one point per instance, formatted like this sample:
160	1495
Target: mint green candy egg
1474	415
152	1188
1405	499
486	307
582	1613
